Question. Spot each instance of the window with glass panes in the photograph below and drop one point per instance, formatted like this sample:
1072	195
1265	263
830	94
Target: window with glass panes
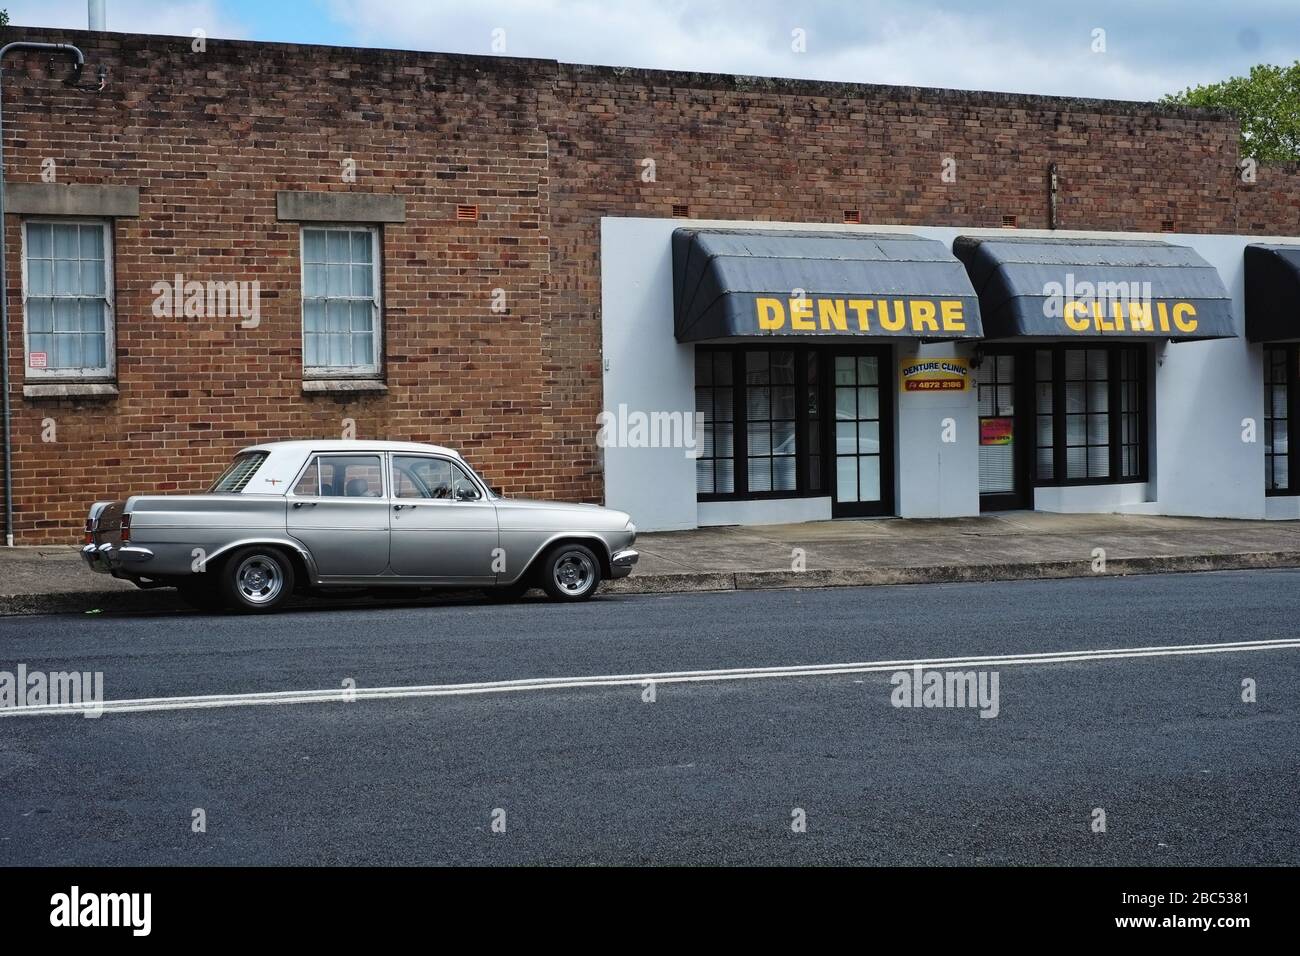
770	420
1279	376
1044	415
1087	414
715	469
67	298
813	411
1090	414
996	396
1130	412
340	300
763	422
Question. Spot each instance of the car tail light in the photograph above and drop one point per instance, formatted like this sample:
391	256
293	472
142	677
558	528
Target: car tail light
126	529
90	531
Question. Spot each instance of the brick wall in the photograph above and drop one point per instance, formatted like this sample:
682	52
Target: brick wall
545	150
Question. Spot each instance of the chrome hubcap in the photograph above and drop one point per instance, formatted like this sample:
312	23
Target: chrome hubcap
574	572
259	579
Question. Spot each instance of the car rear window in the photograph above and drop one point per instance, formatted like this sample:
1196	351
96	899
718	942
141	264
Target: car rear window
241	471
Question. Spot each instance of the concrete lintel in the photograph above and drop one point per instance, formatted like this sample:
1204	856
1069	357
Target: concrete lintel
59	199
317	206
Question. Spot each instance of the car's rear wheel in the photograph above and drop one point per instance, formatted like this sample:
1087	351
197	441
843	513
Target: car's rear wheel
570	572
256	580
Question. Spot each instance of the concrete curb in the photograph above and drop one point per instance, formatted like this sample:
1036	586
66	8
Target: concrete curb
950	573
164	599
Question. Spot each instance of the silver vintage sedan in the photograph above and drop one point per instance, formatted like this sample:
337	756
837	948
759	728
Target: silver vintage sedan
315	515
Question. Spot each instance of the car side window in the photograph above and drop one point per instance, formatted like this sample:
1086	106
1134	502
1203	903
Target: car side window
342	476
418	477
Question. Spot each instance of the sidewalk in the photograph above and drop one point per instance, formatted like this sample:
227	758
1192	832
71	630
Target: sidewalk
1008	546
1011	546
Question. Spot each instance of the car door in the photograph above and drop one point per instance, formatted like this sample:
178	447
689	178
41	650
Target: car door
338	508
443	527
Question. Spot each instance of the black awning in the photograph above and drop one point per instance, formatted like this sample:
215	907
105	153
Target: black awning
753	282
1102	288
1272	293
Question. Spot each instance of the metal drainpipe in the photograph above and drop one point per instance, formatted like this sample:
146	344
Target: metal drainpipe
1051	195
78	61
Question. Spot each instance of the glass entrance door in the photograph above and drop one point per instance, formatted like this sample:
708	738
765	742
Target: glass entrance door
1002	480
863	467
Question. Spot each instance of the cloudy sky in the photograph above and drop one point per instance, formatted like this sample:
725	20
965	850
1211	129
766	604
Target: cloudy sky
1151	47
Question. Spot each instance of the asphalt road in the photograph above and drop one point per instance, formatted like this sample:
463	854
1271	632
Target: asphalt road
709	772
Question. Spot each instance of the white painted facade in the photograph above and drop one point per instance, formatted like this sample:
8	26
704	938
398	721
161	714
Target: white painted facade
1201	395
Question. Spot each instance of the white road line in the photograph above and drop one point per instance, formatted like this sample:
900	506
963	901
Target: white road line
331	695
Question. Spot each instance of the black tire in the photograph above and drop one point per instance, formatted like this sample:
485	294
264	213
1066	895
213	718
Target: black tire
504	593
255	580
570	572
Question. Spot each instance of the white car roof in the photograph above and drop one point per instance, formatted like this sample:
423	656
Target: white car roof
286	459
354	444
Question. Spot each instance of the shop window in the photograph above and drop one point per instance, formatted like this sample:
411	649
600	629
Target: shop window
763	422
68	299
715	469
1087	414
770	420
340	301
1090	417
1279	392
1044	415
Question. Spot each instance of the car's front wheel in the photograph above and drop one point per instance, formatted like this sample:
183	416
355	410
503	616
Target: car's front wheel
570	572
256	580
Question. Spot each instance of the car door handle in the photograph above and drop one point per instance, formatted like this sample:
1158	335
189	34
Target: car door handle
299	504
398	507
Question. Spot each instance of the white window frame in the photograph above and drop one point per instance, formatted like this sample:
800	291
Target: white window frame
106	372
377	299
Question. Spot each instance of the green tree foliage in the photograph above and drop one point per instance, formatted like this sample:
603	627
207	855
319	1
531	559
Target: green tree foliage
1268	102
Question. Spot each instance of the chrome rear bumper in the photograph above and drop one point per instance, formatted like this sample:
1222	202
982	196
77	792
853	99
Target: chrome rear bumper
105	559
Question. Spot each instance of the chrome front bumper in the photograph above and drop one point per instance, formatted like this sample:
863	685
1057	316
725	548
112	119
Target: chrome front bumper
622	562
105	559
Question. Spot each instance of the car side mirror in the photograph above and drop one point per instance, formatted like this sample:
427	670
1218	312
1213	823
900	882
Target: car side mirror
466	494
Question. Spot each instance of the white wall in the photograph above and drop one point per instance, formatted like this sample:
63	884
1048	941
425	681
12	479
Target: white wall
645	370
1202	392
934	478
1090	499
767	511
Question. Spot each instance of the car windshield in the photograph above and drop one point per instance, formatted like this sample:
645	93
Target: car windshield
241	471
488	489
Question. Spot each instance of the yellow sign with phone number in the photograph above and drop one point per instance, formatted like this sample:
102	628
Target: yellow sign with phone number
934	374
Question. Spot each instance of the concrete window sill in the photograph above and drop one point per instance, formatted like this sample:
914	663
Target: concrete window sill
317	386
70	390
